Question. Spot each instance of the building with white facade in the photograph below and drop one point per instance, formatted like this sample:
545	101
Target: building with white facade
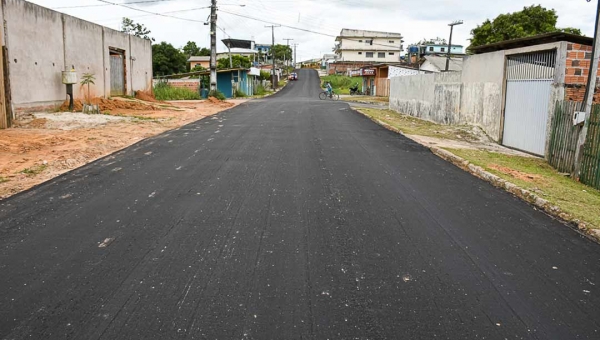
368	46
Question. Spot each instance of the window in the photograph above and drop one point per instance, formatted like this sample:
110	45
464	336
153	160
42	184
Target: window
381	55
391	53
431	49
443	49
370	42
359	52
391	41
360	41
369	54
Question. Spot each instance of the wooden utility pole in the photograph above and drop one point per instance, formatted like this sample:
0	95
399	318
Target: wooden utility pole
588	100
213	45
458	22
274	75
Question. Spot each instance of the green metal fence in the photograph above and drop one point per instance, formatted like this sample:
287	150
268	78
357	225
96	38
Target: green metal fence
563	143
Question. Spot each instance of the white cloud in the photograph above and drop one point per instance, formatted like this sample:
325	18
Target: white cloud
414	19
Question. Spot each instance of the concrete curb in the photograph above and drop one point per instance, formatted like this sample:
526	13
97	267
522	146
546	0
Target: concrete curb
525	195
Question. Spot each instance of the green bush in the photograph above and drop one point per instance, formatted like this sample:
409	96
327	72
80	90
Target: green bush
217	94
164	91
240	94
265	75
260	90
341	84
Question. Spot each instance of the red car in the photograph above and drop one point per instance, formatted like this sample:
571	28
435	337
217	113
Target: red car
293	76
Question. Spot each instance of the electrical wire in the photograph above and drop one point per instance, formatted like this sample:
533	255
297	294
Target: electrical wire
98	5
159	14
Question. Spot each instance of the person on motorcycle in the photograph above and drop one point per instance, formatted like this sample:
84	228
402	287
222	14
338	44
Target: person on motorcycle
354	88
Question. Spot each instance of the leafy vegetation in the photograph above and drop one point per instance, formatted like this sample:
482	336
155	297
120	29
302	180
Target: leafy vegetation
282	52
265	75
237	61
130	27
87	79
217	94
164	91
34	170
341	84
240	94
260	90
530	21
191	49
167	59
534	174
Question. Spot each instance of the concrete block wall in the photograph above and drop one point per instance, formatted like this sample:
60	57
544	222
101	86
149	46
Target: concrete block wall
42	43
577	71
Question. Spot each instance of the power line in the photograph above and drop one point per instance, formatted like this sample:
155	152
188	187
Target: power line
301	29
144	11
133	2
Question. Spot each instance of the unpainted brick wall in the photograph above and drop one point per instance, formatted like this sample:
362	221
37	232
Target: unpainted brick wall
577	71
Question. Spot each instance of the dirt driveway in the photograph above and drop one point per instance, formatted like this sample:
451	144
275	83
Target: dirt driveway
44	145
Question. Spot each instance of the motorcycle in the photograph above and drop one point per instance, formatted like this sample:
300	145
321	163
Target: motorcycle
355	91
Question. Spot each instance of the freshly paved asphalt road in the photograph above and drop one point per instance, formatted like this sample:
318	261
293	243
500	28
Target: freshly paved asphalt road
288	218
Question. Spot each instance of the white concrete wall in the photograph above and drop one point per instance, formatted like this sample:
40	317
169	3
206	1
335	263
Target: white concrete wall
477	90
84	53
141	64
378	44
35	53
355	56
44	43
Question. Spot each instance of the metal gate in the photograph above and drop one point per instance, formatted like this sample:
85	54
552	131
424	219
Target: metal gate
529	80
117	74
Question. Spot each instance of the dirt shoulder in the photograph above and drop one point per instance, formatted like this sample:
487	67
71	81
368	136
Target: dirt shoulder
42	146
528	177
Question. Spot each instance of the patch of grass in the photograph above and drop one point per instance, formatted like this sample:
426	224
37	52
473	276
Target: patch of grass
3	179
341	84
576	199
240	94
164	91
375	100
415	126
260	91
217	94
34	170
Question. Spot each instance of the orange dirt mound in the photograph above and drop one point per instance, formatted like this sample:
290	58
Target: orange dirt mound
515	173
146	96
110	104
77	105
218	102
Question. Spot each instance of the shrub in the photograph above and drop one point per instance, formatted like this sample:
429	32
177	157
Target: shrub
341	84
265	75
260	90
239	93
164	91
217	94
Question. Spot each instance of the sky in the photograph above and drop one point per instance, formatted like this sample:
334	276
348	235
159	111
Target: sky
315	22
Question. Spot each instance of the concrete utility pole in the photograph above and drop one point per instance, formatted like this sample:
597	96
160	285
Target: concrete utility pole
458	22
295	49
284	56
213	45
274	75
588	100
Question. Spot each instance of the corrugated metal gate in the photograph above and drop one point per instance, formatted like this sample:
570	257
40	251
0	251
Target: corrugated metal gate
117	74
529	80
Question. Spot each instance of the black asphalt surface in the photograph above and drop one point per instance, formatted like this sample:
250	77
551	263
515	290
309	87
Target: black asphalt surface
288	218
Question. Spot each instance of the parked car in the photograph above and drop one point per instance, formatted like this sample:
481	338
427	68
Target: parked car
293	76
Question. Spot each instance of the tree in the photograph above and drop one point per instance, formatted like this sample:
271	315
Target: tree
282	52
139	30
530	21
88	79
237	60
204	52
167	59
191	49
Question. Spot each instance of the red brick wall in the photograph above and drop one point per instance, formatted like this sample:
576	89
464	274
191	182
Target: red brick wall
192	85
577	70
343	67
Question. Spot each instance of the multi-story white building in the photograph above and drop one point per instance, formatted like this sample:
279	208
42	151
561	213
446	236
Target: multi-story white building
368	46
